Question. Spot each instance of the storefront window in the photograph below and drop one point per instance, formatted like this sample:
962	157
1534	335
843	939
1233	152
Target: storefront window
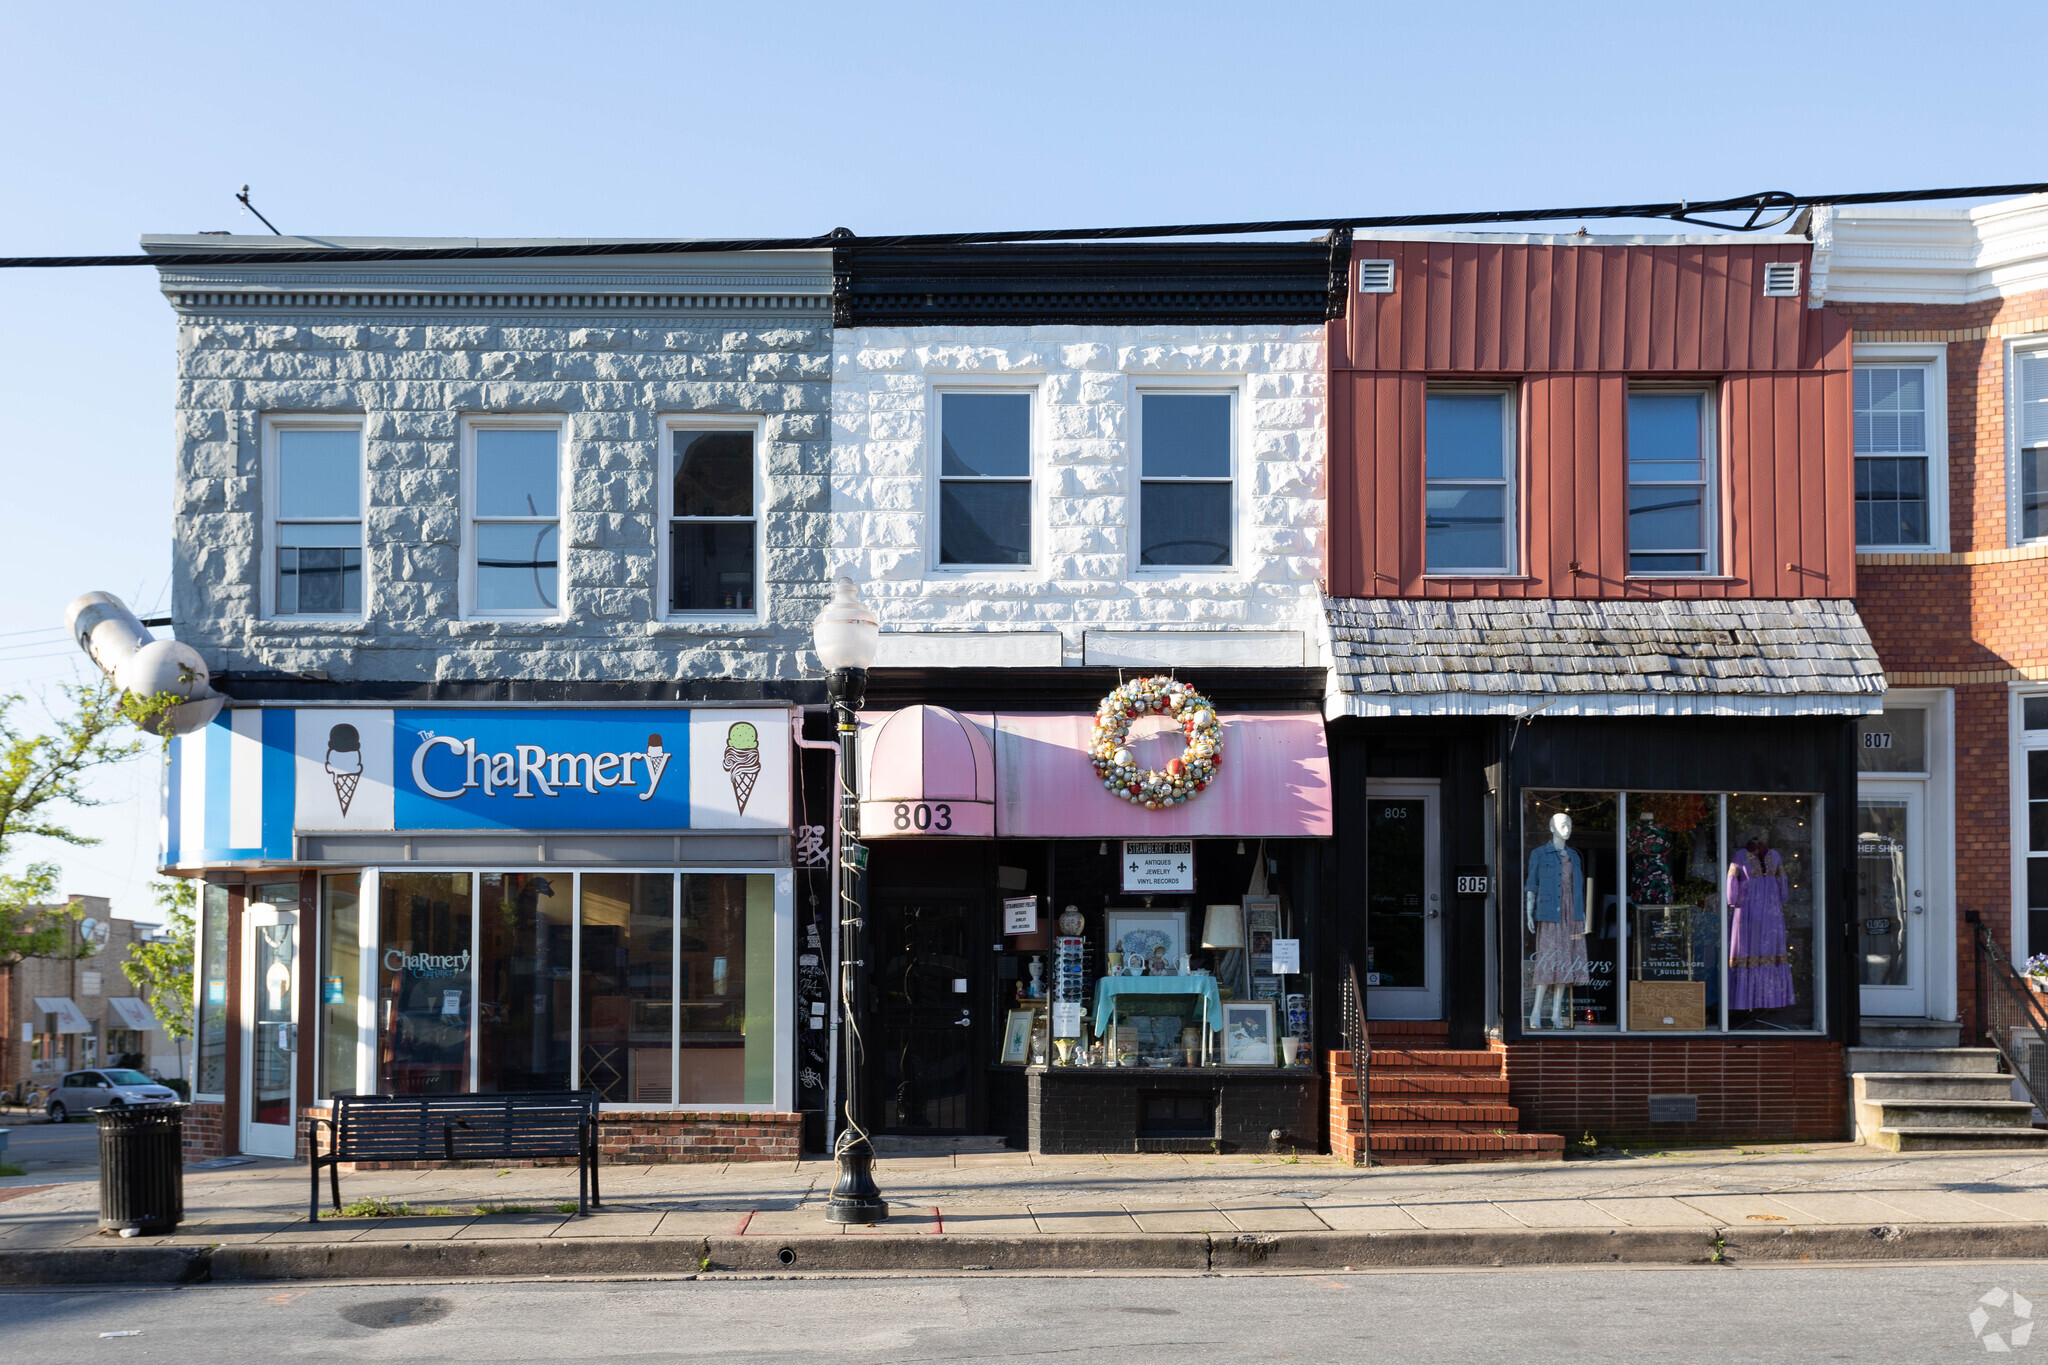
1709	899
341	980
423	982
212	1005
523	986
628	991
725	975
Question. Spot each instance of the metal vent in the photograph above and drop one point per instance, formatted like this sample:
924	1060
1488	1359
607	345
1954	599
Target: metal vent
1375	277
1781	280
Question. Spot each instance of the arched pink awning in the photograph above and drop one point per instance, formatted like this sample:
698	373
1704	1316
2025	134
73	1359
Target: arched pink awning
927	771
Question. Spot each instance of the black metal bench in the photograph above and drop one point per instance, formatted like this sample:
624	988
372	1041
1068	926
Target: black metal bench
513	1127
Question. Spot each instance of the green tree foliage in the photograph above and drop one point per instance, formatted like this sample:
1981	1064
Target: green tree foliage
39	775
162	970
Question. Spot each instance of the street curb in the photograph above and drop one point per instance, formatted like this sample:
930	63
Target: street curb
925	1254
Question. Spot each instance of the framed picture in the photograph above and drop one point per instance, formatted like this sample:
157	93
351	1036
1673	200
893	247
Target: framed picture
1248	1035
1017	1037
1158	937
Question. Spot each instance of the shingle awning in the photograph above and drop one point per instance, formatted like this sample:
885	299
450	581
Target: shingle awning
1401	657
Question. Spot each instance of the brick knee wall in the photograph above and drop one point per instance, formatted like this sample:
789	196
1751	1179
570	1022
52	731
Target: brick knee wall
1765	1090
638	1137
204	1137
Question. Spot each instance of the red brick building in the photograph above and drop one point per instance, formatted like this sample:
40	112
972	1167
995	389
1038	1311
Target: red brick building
1948	310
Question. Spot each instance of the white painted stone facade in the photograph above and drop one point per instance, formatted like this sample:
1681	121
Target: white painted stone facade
1085	576
412	372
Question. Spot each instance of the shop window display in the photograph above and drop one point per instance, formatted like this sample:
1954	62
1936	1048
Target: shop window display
523	952
1674	910
628	992
423	982
212	1005
341	975
1771	912
725	980
1570	942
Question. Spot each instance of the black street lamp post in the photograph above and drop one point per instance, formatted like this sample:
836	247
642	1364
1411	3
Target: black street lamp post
847	634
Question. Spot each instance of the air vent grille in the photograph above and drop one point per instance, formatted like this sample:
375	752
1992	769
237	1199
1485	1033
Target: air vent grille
1375	277
1781	280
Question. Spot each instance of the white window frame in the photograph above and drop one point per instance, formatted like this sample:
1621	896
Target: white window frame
665	493
1208	385
2014	349
1510	481
1934	359
2024	742
274	425
471	425
935	392
1711	457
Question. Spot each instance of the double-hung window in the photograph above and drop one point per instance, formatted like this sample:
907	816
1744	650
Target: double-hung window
1185	470
1894	502
1671	458
984	479
713	521
515	523
2029	475
318	470
1469	497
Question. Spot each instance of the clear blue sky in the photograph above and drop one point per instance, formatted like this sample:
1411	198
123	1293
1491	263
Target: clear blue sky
677	120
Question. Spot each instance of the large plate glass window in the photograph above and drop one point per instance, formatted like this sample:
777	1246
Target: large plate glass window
516	541
1185	514
712	531
319	550
2029	491
211	1007
522	1008
1670	482
1469	454
628	988
1893	485
2034	750
341	975
424	975
984	479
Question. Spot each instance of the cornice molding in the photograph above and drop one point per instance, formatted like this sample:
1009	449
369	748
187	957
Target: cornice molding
382	305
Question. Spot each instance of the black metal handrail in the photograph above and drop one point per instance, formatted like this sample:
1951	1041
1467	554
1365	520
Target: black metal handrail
2007	1008
1358	1046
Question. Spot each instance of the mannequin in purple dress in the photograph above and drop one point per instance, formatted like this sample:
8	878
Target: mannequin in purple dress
1759	966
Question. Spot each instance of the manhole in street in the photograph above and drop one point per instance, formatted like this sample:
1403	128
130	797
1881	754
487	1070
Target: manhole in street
398	1312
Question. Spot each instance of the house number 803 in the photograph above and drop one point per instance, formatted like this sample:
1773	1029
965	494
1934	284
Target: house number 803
923	815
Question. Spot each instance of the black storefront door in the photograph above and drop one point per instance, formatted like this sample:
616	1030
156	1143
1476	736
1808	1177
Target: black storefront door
923	1067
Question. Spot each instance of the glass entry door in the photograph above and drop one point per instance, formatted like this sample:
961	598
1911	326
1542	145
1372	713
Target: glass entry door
922	1062
1404	903
270	948
1891	901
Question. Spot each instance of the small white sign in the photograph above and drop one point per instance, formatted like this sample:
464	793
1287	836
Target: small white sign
28	1031
88	983
1066	1019
1159	865
1020	914
1286	956
451	1004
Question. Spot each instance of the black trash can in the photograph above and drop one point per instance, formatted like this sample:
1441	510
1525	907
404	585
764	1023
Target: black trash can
142	1168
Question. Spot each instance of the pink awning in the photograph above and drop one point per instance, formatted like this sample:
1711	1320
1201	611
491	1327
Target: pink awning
1273	782
926	771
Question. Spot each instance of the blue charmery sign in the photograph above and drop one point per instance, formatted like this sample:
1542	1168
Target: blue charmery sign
541	770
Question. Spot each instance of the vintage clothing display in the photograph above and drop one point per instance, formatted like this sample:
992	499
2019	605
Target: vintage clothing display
1556	881
1649	864
1759	965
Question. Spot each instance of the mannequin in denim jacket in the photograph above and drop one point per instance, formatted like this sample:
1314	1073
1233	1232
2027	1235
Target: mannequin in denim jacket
1557	997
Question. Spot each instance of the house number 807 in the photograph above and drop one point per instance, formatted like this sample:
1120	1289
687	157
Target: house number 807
923	815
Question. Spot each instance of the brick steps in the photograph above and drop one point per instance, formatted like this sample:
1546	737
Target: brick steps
1430	1105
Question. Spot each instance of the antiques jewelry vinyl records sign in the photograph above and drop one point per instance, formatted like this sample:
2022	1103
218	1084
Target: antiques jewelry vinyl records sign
1159	865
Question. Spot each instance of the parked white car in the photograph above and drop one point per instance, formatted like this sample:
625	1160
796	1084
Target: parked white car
114	1087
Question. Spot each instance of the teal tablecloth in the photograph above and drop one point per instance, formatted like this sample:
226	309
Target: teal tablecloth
1109	987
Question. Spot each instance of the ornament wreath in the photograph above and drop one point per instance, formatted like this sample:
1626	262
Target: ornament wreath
1183	777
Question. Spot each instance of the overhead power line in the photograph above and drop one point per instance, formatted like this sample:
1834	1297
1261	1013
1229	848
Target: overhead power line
1765	210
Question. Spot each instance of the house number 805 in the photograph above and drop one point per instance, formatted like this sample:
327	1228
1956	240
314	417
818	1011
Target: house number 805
923	815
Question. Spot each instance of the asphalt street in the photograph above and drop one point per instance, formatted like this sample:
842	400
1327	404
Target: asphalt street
51	1149
1874	1314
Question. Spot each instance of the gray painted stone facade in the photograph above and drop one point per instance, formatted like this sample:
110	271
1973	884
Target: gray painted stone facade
612	346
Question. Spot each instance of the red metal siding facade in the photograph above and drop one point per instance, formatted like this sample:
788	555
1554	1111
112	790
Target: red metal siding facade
1572	326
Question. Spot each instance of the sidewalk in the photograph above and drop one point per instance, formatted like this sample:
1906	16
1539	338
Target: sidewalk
1014	1211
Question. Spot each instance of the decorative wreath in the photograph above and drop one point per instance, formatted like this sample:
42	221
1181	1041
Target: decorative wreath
1153	788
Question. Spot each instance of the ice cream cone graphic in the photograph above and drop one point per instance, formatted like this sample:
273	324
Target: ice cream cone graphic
743	761
344	762
657	759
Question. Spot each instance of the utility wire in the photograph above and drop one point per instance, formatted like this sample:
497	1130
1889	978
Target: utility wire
1770	202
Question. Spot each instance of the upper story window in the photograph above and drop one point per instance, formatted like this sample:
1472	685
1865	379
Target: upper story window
317	482
712	509
515	495
2028	477
1894	483
1469	500
984	479
1671	458
1186	463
